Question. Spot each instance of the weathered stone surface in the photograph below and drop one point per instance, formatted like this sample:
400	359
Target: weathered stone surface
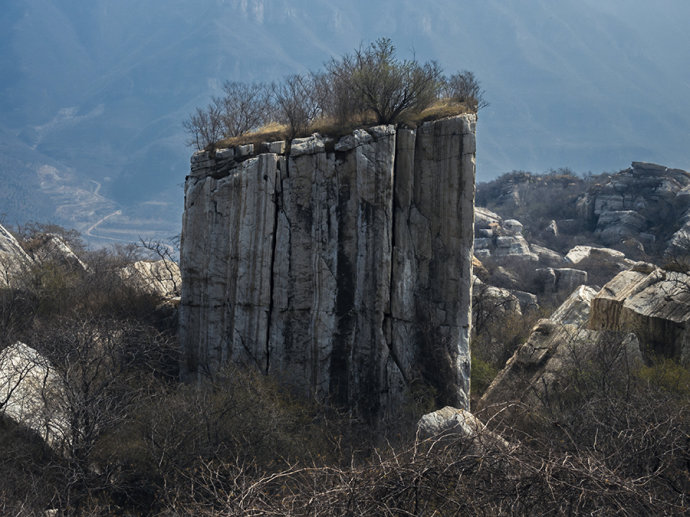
485	218
655	305
491	306
453	422
500	239
575	309
345	273
590	256
643	199
13	259
161	277
31	393
512	227
540	365
547	256
52	248
564	279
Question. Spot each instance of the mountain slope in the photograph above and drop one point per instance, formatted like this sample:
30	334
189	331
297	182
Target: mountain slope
99	90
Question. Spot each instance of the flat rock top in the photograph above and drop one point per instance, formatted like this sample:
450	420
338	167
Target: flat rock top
657	294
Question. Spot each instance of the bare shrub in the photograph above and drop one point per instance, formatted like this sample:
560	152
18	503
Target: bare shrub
374	79
464	87
205	126
245	107
295	102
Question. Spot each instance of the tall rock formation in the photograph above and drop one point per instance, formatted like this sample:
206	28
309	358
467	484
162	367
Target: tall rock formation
342	267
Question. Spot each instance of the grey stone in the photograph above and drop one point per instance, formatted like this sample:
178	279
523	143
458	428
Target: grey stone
652	303
276	147
485	218
13	259
160	277
337	271
450	422
512	227
242	151
32	393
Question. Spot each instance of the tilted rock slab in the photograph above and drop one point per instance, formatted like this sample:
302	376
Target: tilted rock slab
31	393
555	347
343	268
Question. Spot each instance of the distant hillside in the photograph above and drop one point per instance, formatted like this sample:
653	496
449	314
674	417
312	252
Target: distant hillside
99	90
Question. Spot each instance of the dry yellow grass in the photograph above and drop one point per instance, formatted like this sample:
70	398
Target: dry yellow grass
332	128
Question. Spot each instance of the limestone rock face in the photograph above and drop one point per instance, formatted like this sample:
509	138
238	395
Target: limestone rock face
13	259
31	392
652	303
347	273
161	277
564	279
52	248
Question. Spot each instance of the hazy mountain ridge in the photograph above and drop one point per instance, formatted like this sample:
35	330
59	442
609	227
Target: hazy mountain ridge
100	90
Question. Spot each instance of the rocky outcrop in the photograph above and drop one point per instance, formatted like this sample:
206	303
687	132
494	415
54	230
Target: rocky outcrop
556	346
650	302
498	238
343	268
639	203
31	393
564	279
595	257
50	247
13	259
159	277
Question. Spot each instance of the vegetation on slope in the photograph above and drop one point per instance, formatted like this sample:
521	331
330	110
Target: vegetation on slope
236	443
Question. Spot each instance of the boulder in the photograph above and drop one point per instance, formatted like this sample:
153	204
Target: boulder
575	309
451	422
547	256
512	227
655	305
555	280
540	366
512	246
485	218
31	393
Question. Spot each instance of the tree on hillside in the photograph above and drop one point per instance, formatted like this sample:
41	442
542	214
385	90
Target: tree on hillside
371	83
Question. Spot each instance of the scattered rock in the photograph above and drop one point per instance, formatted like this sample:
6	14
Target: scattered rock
555	280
